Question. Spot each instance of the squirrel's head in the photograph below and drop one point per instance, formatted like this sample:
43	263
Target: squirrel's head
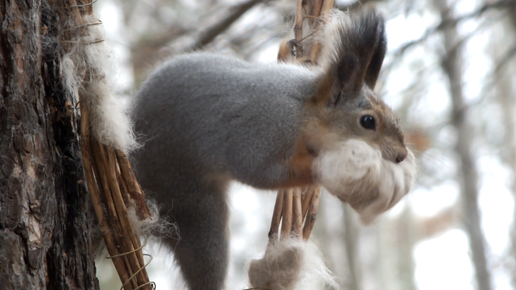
361	154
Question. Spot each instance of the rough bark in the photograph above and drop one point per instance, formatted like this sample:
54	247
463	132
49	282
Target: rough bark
452	66
44	231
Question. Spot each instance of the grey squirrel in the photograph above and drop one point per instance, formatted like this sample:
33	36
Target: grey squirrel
207	119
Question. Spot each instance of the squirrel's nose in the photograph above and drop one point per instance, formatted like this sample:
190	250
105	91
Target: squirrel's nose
402	154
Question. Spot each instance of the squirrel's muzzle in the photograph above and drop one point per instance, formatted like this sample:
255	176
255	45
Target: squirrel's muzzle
402	154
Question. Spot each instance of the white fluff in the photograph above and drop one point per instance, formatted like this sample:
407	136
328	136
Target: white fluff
291	264
330	37
357	174
110	122
151	224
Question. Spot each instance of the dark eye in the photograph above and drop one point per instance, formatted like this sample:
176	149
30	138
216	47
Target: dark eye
368	122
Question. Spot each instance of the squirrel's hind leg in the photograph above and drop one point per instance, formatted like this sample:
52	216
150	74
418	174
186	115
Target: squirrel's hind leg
202	249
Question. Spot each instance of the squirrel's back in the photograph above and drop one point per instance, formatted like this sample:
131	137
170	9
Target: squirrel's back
212	112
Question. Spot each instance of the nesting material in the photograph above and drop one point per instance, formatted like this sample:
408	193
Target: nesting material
106	137
356	173
147	226
86	69
291	264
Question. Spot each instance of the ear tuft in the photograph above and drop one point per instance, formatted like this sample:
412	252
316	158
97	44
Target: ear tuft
375	65
354	49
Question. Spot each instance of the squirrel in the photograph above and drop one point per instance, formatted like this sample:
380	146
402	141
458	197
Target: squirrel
208	119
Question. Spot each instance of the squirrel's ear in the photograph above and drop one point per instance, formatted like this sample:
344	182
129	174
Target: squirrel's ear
356	54
375	65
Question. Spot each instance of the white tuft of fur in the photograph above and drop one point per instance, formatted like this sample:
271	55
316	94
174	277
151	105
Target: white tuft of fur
356	173
330	37
142	227
154	225
291	264
68	72
85	72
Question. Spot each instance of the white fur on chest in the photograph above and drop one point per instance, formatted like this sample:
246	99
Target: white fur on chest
356	173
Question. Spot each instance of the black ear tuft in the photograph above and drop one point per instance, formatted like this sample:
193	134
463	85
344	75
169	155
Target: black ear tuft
373	70
362	49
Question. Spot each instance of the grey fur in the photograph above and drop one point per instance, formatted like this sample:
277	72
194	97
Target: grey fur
218	106
206	119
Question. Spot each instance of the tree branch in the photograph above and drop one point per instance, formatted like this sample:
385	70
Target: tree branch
210	34
445	23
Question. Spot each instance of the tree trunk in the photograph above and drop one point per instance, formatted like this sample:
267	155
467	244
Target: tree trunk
351	236
505	93
506	99
452	66
44	229
404	248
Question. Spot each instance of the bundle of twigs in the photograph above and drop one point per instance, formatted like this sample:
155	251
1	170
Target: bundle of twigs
109	176
296	208
112	185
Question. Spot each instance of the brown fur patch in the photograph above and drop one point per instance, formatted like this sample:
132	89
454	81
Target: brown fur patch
315	136
300	166
324	89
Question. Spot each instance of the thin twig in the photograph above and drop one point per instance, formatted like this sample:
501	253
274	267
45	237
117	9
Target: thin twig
286	223
210	34
297	221
276	216
312	214
445	23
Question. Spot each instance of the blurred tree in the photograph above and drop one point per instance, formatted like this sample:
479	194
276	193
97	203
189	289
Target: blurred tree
188	30
503	75
405	240
451	61
350	237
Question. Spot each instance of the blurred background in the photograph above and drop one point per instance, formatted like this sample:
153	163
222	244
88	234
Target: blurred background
449	73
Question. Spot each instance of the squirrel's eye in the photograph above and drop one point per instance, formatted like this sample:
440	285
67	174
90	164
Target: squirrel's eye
368	122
